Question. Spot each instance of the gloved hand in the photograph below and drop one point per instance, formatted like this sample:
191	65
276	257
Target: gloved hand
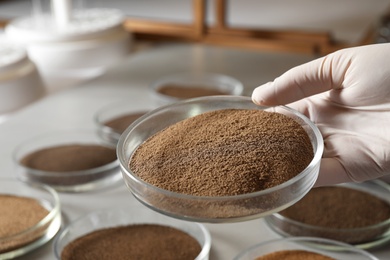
347	95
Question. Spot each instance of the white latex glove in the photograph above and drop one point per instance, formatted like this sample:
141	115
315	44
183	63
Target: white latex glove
347	95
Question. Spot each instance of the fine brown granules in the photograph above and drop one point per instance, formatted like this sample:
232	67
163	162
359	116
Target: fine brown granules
224	152
17	214
294	255
142	241
189	91
120	123
67	158
338	208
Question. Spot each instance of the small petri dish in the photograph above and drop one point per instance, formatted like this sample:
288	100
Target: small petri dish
177	87
319	246
131	217
113	119
68	161
214	209
31	213
365	237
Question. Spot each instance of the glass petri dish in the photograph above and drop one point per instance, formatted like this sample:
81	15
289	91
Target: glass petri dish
115	217
206	208
113	119
309	244
364	237
177	87
20	243
68	181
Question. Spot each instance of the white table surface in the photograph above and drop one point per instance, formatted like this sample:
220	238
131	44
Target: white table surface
75	107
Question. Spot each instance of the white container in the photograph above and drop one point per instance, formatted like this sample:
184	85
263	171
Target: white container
20	81
92	40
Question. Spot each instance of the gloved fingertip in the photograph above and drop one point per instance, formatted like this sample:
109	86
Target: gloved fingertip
256	98
260	95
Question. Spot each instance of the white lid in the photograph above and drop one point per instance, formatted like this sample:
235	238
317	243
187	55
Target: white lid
84	24
11	55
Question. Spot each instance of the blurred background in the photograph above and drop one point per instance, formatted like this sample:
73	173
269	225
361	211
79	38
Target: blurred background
69	64
298	26
346	21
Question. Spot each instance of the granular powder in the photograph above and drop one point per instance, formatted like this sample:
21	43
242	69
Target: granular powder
142	241
119	124
339	207
17	214
294	255
224	152
184	92
67	158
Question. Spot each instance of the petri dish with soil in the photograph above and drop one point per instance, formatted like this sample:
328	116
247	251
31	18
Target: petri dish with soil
353	213
113	119
303	248
69	161
132	233
177	87
220	159
30	216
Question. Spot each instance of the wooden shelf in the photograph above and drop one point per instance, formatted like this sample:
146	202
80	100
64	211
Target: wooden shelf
221	34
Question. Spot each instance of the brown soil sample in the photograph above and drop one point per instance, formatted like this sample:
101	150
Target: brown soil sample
337	213
120	124
339	207
67	158
143	241
294	255
224	152
17	214
184	92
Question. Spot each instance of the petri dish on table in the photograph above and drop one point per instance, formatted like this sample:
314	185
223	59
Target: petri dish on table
353	228
113	119
75	160
181	86
318	248
31	216
141	230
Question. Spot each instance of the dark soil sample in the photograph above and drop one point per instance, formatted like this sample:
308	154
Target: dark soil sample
224	152
184	92
294	255
338	207
67	158
120	123
138	242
